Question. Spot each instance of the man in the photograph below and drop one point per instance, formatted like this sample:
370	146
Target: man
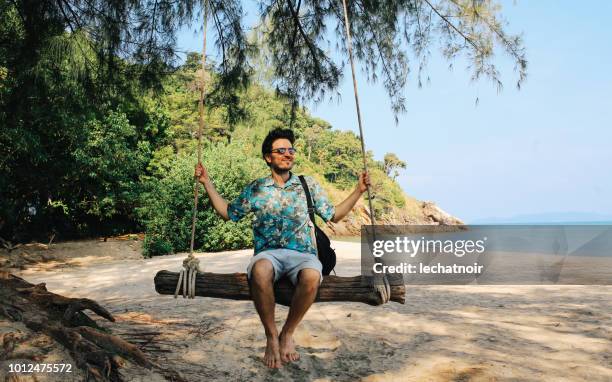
283	238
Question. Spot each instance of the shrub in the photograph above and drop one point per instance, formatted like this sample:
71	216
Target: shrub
154	245
166	207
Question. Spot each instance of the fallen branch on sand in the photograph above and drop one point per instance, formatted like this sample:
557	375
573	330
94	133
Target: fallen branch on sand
234	286
99	354
8	245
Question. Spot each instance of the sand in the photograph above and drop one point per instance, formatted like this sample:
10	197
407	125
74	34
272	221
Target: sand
442	333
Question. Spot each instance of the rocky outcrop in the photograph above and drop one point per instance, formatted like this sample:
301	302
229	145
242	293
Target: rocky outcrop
436	215
425	213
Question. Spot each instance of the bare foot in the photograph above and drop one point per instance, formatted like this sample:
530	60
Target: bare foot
287	348
272	357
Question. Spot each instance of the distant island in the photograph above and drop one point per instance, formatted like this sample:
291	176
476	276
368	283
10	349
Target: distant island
569	217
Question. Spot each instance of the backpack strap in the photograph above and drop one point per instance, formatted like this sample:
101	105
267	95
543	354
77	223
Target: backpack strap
308	199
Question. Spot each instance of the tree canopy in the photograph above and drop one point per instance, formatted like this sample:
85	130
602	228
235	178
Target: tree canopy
304	38
390	39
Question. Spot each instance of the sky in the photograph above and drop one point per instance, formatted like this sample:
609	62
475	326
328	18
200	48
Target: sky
539	151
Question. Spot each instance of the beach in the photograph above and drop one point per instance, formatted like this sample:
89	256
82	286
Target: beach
442	333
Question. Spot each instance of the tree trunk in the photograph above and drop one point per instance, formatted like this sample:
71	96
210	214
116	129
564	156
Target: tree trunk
99	354
234	286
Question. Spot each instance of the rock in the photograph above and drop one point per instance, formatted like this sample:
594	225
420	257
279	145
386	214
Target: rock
435	215
416	213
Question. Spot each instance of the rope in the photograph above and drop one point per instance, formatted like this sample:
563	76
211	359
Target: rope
383	290
191	265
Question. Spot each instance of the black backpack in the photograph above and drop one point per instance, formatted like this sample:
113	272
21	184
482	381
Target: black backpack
327	255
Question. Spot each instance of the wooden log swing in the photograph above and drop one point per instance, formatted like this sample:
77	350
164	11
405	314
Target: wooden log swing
192	282
235	286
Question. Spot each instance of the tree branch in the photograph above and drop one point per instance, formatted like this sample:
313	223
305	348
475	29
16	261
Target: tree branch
495	30
152	26
295	27
376	41
311	47
59	4
453	26
219	32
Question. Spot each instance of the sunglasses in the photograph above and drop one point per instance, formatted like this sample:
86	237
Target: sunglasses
283	150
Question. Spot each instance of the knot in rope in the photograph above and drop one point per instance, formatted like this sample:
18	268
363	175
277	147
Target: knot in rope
187	277
383	288
191	262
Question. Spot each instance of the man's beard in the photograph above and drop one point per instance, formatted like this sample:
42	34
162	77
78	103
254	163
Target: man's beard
282	170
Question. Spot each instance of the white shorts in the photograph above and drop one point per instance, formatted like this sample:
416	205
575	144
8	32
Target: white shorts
288	262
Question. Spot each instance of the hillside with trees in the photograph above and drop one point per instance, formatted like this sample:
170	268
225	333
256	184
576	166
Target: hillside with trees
232	153
127	166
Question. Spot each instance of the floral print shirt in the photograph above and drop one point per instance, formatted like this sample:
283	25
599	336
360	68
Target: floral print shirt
281	213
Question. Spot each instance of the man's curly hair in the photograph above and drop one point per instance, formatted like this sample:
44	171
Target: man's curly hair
278	133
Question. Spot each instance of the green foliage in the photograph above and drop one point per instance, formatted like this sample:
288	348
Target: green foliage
166	206
392	164
339	152
126	164
74	135
111	161
155	245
